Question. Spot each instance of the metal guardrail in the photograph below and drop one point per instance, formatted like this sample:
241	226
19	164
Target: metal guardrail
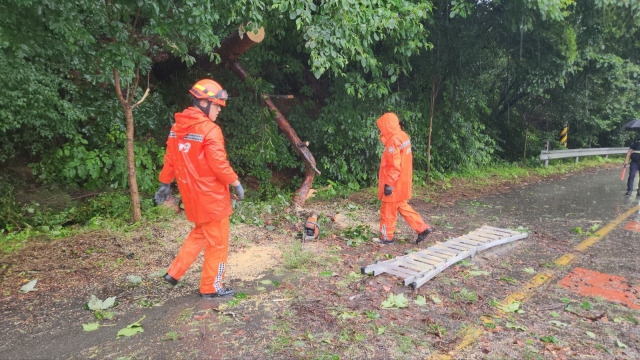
546	155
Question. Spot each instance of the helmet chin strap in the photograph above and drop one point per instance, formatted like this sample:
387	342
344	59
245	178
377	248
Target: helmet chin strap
205	109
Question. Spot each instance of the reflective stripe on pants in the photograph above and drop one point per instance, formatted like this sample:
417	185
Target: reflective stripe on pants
389	217
213	237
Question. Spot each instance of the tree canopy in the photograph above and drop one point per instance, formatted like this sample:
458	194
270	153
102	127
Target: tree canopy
493	80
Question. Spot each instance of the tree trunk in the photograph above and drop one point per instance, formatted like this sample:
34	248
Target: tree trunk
435	88
299	146
126	100
131	165
231	48
236	44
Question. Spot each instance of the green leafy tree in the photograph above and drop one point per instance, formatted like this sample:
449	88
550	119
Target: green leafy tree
367	42
36	110
115	42
604	94
472	81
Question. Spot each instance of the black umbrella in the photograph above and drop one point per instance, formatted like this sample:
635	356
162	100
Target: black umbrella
632	125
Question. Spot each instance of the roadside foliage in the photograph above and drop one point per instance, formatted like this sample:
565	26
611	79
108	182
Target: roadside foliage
474	83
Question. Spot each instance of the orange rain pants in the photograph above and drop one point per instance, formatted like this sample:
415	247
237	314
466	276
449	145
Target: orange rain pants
213	237
389	216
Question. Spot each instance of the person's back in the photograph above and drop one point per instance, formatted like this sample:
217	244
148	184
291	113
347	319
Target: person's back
396	164
395	181
195	148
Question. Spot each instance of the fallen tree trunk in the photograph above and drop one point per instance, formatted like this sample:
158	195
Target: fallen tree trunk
230	50
238	43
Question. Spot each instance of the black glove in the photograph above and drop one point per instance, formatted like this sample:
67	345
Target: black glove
162	194
387	190
239	192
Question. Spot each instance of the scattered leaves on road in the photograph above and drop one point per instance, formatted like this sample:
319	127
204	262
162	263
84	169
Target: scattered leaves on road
395	301
91	326
131	329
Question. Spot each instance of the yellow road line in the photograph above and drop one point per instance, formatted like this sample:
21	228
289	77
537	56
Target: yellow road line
438	356
471	333
564	260
534	283
588	242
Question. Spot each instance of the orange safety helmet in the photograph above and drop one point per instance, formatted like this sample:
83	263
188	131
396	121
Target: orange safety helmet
209	90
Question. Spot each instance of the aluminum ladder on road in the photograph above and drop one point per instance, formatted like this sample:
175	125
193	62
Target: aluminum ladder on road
419	267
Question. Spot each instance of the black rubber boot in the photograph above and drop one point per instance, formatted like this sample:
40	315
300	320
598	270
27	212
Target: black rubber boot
384	242
220	293
423	235
168	278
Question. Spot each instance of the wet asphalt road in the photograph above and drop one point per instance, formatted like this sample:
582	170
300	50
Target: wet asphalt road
561	216
589	202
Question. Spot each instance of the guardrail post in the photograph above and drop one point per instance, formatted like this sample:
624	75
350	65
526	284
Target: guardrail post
546	162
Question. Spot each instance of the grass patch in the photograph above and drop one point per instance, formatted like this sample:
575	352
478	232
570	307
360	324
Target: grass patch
282	339
295	256
357	235
171	336
516	171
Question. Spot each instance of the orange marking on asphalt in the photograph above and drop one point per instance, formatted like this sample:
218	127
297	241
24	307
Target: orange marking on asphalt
614	288
632	226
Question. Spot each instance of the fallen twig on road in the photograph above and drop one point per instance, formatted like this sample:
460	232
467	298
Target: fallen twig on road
592	318
229	313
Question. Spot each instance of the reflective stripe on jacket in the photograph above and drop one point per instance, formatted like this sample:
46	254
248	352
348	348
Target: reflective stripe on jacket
396	164
197	159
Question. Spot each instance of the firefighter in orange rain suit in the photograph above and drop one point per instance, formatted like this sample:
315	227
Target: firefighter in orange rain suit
197	160
395	180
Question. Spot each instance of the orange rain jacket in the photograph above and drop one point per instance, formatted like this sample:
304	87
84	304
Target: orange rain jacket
196	158
396	165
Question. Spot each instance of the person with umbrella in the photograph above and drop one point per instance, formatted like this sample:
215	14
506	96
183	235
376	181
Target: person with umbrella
633	156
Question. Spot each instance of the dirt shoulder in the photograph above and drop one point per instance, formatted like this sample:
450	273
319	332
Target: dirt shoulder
307	301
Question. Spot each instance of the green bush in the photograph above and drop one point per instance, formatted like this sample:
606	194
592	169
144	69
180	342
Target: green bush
11	215
345	140
77	163
16	216
35	107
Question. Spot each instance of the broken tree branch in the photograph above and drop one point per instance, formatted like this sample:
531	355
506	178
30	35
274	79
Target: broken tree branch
231	48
